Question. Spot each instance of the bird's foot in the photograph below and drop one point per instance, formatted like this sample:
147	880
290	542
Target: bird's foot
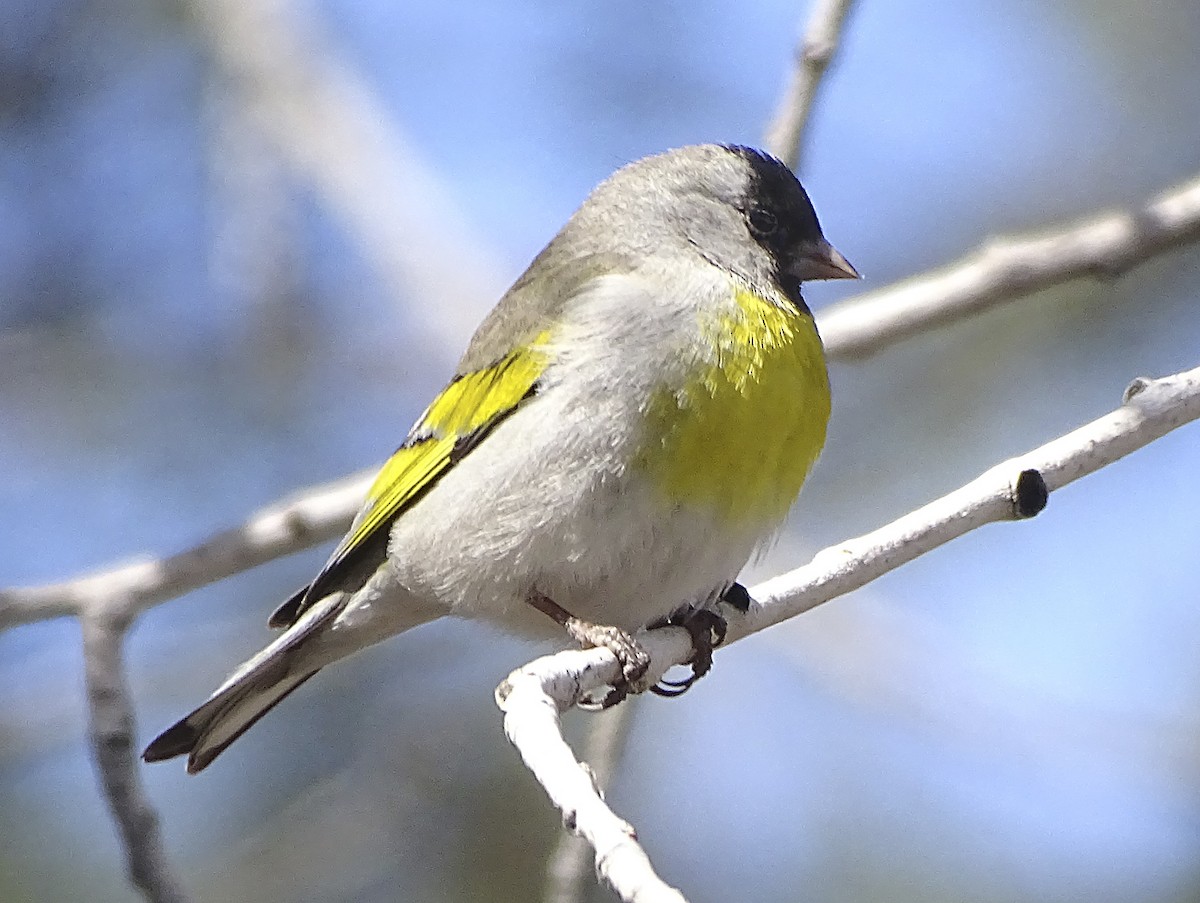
707	630
633	659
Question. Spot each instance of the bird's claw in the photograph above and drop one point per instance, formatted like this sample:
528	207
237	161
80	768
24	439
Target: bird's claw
707	630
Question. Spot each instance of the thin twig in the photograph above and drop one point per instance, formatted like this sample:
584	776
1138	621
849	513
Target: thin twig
533	696
530	700
111	735
309	518
569	865
1103	247
816	50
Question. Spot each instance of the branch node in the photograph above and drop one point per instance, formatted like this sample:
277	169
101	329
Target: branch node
1136	387
816	52
503	690
1030	494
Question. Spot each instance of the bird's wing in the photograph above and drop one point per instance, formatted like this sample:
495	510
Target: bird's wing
457	421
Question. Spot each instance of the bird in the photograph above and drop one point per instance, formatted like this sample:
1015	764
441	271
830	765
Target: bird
627	427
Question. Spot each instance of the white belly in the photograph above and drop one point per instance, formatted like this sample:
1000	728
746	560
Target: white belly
529	513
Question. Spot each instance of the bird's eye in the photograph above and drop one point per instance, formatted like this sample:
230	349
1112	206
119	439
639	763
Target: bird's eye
762	222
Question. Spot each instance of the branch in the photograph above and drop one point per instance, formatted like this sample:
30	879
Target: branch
533	696
1104	247
568	868
785	135
308	518
110	733
530	700
106	604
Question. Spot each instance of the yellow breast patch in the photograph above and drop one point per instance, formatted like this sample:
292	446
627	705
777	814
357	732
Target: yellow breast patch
742	435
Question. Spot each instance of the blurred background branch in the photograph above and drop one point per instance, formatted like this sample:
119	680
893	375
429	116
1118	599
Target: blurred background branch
1104	247
334	135
785	135
107	604
113	743
312	516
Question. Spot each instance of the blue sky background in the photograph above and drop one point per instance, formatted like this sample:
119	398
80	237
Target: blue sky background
1010	718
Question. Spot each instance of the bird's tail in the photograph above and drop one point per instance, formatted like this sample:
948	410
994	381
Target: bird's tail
250	692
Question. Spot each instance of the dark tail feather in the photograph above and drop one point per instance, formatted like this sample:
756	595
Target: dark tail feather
285	615
207	732
253	690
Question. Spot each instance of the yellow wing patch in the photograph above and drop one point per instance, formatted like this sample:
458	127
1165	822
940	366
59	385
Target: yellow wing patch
474	399
455	423
409	472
